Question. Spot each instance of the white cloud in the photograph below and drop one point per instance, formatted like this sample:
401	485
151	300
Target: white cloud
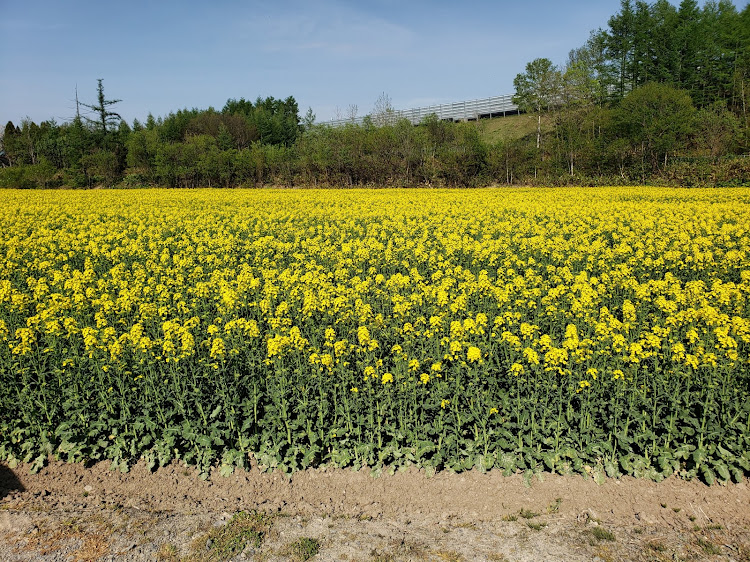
329	30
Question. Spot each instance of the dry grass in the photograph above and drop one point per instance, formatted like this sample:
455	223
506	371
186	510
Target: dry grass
94	542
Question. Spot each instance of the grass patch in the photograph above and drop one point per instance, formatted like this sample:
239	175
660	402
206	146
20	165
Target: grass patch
510	127
224	542
536	526
167	553
657	546
527	514
708	547
303	549
601	534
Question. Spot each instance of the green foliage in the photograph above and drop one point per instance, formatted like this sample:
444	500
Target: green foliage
537	89
276	121
696	49
655	119
17	177
101	167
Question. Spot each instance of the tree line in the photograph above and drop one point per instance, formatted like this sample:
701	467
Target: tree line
660	95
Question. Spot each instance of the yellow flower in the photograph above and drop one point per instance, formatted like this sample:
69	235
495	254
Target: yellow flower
363	336
444	403
531	356
218	348
387	378
493	411
516	369
340	347
473	354
425	378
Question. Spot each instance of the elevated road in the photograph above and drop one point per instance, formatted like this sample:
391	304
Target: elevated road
471	110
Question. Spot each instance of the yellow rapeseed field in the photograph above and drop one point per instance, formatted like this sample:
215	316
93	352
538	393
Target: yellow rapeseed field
600	330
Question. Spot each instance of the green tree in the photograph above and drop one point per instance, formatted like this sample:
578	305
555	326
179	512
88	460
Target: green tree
42	172
656	119
620	40
101	167
142	148
308	120
689	40
741	74
223	138
12	144
662	43
537	90
717	130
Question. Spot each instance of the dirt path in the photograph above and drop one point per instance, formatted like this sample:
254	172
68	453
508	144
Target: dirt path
70	512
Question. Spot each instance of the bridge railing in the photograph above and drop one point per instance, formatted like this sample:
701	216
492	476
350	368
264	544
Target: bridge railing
470	110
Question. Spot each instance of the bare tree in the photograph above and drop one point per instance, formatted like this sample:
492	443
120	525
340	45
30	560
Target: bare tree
383	112
351	112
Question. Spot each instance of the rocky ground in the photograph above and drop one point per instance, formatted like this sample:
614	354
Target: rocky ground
72	512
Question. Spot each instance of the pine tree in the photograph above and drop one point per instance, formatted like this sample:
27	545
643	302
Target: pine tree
105	117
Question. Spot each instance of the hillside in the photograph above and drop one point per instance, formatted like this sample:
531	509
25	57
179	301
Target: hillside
511	127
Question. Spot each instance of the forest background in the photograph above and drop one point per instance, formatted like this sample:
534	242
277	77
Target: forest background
660	96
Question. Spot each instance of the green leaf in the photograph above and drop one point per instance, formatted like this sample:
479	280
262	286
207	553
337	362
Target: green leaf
708	475
737	475
723	452
722	471
527	476
37	464
699	455
203	441
611	469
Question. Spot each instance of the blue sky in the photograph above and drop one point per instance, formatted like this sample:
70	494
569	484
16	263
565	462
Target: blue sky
161	56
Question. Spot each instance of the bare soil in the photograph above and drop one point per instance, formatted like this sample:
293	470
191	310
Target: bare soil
74	512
